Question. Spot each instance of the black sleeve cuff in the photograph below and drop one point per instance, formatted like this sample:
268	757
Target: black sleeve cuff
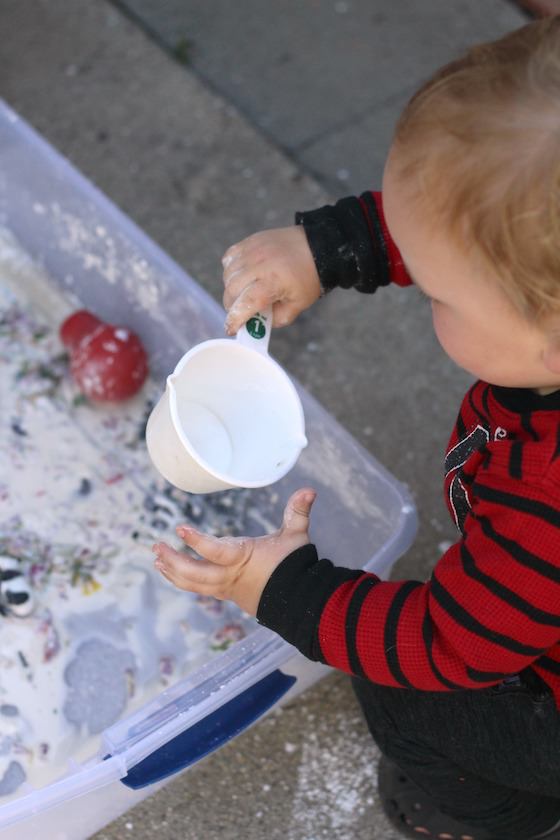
295	595
348	245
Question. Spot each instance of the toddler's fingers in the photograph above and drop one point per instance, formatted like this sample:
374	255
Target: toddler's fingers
224	551
185	571
234	284
230	274
254	298
232	253
298	510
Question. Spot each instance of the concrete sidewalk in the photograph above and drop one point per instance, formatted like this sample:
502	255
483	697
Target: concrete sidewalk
278	107
324	81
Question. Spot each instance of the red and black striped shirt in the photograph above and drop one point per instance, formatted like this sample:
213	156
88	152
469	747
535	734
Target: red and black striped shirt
492	605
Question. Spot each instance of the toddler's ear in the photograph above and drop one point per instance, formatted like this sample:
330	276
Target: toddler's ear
551	356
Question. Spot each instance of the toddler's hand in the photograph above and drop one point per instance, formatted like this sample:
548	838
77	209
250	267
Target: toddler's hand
271	268
236	568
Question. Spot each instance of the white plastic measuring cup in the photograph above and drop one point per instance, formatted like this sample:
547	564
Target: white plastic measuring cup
229	417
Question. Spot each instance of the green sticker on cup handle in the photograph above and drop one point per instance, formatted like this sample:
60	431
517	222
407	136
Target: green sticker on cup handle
256	326
255	333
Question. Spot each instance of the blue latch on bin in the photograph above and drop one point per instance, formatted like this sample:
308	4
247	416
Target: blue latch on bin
211	732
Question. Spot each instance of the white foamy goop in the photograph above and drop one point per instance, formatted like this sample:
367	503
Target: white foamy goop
207	435
80	505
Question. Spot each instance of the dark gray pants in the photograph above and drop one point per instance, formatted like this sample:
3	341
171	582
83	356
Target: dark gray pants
489	758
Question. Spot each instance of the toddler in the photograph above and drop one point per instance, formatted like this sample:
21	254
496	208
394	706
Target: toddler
459	676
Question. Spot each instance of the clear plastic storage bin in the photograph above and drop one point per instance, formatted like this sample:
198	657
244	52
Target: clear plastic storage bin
42	199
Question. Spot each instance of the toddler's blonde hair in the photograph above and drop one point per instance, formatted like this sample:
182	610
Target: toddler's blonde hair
480	146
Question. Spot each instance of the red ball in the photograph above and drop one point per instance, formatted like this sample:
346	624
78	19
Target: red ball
108	362
77	326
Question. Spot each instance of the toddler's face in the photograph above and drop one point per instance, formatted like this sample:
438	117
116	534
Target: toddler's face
474	321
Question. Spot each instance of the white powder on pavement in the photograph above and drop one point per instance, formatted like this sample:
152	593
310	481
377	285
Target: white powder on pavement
335	783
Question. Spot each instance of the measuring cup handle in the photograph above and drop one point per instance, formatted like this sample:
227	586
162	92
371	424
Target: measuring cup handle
255	333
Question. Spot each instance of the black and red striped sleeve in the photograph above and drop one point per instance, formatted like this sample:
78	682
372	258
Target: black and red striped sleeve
352	246
490	609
